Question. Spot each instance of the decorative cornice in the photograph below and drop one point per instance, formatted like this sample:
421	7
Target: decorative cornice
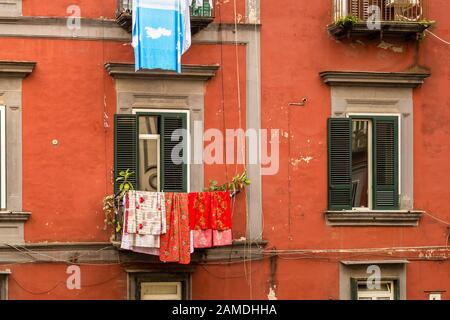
188	72
373	79
374	218
14	216
19	69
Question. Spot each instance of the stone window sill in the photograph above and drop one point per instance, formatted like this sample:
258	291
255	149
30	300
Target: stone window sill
14	216
374	218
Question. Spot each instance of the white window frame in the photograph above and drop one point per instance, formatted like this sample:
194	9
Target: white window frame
3	157
177	296
375	294
156	137
370	146
188	128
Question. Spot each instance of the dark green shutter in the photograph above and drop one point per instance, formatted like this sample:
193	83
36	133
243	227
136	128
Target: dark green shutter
125	147
385	154
339	164
173	175
354	288
397	289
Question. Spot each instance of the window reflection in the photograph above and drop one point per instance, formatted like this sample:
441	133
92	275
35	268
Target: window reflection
149	153
360	162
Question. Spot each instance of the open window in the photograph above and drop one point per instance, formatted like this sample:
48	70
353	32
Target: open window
363	163
154	145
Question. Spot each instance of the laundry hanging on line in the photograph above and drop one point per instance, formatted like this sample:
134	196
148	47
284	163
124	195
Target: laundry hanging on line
210	218
168	224
161	33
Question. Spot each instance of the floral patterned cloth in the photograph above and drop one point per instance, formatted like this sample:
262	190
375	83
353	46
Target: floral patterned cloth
145	212
203	238
150	212
220	210
130	212
176	243
200	210
210	210
222	238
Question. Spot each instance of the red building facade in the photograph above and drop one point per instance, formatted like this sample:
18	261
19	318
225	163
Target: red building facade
362	194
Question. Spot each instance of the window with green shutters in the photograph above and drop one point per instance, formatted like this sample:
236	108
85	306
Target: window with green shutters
154	146
363	163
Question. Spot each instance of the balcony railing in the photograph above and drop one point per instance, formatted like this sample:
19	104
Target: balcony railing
382	10
391	17
201	16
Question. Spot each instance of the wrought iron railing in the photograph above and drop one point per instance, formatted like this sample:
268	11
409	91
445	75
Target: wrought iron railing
206	10
380	10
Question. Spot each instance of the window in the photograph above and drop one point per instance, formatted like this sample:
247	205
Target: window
154	145
363	163
3	157
11	8
161	290
384	290
161	284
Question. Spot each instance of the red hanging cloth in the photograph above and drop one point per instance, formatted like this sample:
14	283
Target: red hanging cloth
200	210
220	210
175	243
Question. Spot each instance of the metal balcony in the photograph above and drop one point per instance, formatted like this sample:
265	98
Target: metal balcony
378	18
201	16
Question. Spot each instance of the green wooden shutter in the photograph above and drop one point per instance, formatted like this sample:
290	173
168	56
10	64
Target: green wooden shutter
353	289
125	147
339	164
385	154
397	289
173	175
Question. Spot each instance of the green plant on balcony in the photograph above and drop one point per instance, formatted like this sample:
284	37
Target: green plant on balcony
111	203
347	21
238	183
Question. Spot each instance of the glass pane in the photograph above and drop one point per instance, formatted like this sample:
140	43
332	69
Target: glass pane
148	154
148	125
360	162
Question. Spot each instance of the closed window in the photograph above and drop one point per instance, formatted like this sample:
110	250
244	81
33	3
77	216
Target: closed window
154	146
363	163
383	290
162	284
161	291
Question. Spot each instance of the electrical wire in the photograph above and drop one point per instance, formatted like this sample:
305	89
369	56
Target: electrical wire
30	253
437	219
63	282
437	37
